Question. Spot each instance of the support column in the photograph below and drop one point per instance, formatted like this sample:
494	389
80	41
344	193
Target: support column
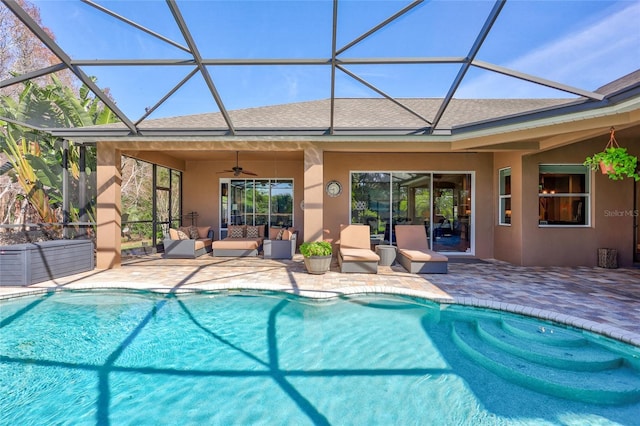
313	194
108	211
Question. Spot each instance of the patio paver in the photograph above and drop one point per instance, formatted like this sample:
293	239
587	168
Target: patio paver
603	300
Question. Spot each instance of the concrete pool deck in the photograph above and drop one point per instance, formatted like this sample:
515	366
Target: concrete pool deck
606	301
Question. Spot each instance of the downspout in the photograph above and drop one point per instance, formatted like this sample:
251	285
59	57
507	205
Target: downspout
636	253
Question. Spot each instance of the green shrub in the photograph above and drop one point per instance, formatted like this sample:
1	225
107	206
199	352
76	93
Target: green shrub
316	248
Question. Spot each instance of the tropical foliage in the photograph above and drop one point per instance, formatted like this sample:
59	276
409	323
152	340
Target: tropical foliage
35	159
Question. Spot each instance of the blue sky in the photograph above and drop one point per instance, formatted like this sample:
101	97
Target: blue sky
585	44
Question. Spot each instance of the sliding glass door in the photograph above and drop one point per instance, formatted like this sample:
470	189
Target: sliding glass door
441	202
256	202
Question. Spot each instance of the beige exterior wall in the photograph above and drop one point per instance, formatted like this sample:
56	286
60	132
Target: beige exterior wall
611	213
508	238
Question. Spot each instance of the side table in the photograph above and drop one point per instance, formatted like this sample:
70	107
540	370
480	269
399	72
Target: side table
387	254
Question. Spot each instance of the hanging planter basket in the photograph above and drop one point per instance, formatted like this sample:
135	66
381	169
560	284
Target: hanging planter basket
614	161
606	168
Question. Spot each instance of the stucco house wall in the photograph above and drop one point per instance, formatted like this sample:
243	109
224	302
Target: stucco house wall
611	224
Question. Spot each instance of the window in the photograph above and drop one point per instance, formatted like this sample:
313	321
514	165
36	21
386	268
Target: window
151	200
563	194
256	202
504	206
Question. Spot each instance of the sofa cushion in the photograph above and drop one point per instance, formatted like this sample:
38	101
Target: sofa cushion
236	231
200	244
286	235
237	244
355	236
193	233
182	235
253	232
203	231
273	233
423	255
358	255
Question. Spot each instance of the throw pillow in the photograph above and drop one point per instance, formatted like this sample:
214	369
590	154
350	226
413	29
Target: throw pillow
193	233
253	232
273	233
280	234
236	232
182	235
203	231
173	234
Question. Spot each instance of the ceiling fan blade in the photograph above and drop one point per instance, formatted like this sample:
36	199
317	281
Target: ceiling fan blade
237	170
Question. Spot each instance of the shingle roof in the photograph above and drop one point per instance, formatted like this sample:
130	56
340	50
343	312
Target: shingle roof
359	113
375	115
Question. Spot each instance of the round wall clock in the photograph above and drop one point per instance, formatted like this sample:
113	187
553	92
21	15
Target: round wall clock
334	188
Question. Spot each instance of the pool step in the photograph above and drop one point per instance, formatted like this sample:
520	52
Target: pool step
544	347
618	385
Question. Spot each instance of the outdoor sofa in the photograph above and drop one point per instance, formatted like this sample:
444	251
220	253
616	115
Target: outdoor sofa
188	242
241	240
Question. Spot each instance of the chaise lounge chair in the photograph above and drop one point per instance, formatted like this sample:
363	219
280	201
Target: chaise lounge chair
355	254
414	253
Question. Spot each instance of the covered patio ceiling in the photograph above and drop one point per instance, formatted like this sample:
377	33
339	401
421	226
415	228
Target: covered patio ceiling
193	37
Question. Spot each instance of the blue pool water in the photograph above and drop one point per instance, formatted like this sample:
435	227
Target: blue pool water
148	359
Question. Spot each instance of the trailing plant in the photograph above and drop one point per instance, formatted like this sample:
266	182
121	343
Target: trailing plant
614	161
316	248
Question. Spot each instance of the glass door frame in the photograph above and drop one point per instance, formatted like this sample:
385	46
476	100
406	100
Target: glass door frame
472	205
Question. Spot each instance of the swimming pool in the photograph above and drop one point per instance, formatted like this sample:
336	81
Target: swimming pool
123	357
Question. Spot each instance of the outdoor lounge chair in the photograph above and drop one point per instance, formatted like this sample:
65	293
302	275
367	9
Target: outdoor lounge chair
355	254
414	253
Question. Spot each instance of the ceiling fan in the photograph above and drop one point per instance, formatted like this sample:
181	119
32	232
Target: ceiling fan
237	170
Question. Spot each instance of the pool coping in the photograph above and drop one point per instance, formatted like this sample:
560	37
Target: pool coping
609	331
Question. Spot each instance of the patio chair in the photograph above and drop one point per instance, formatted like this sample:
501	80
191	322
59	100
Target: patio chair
414	253
280	245
355	254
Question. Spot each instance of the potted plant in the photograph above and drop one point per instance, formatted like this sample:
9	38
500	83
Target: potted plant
614	161
317	256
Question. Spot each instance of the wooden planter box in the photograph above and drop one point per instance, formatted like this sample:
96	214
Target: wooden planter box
25	264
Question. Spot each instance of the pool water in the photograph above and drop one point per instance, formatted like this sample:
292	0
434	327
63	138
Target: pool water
148	359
